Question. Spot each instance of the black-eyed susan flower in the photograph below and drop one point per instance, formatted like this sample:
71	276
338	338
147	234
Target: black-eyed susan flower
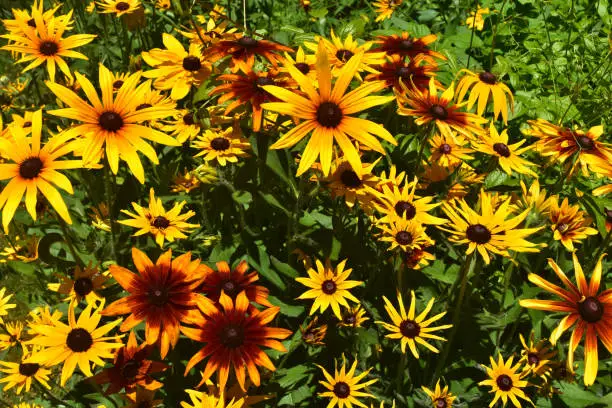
353	317
314	333
490	231
305	63
476	19
230	281
508	155
45	44
533	198
163	4
210	32
427	107
326	112
20	16
233	334
101	217
393	178
569	224
23	250
33	168
450	182
119	7
440	397
405	234
176	69
401	201
243	49
416	258
480	86
385	8
407	46
142	398
183	126
222	145
84	284
202	400
186	182
505	381
344	388
585	307
536	357
155	220
329	287
114	122
42	317
449	151
13	335
162	295
411	329
80	342
22	374
399	69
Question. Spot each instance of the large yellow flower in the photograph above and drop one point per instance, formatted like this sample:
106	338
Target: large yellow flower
481	86
115	121
505	382
119	7
22	374
326	113
345	388
34	168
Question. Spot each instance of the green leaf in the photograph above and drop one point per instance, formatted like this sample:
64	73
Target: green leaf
284	268
270	199
296	396
286	309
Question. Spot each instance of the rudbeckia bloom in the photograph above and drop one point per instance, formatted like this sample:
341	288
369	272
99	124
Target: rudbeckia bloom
222	145
584	306
407	46
428	107
119	7
162	224
328	287
234	333
45	43
412	72
505	382
84	284
345	388
353	317
536	357
243	49
22	374
176	69
201	400
306	64
34	168
232	282
476	18
508	155
326	113
404	234
79	342
481	86
533	198
14	26
162	294
385	8
114	121
416	258
411	329
569	224
13	335
440	397
449	151
185	182
490	230
314	333
183	126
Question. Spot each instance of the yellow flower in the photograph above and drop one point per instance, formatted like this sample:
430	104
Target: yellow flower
119	7
449	152
18	250
533	198
505	382
536	357
385	8
482	85
405	234
185	182
22	374
12	336
345	388
202	400
569	223
222	145
184	126
163	4
328	287
440	397
4	305
353	317
101	217
314	333
476	18
83	285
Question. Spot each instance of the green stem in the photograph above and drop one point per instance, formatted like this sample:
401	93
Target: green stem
68	241
422	147
108	191
472	35
499	19
51	396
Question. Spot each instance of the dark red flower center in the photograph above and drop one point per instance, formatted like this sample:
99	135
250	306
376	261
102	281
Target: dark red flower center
344	55
488	78
188	119
502	149
143	106
478	233
403	238
349	319
28	369
308	336
144	404
406	209
329	114
32	23
406	44
533	358
232	336
504	382
350	179
27	124
122	6
130	369
438	111
192	63
48	48
261	81
329	287
441	403
158	296
83	286
117	84
445	148
403	72
563	228
303	67
410	329
110	121
79	340
247	42
591	309
586	143
342	389
30	168
230	288
220	144
161	222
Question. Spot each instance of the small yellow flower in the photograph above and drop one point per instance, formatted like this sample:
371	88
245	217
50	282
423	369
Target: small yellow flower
440	397
505	382
476	18
345	388
222	146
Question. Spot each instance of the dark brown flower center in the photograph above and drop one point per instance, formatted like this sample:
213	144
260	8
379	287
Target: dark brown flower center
261	81
349	319
232	336
79	340
563	228
48	48
27	124
83	286
445	148
192	63
501	149
350	179
329	114
117	84
403	238
28	369
161	222
344	55
158	296
410	328
407	44
188	119
247	42
406	209
32	23
144	404
488	78
478	233
143	106
308	336
329	287
30	168
130	369
586	143
440	403
122	6
303	67
403	72
438	111
504	382
533	358
230	288
220	144
110	121
342	390
591	309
